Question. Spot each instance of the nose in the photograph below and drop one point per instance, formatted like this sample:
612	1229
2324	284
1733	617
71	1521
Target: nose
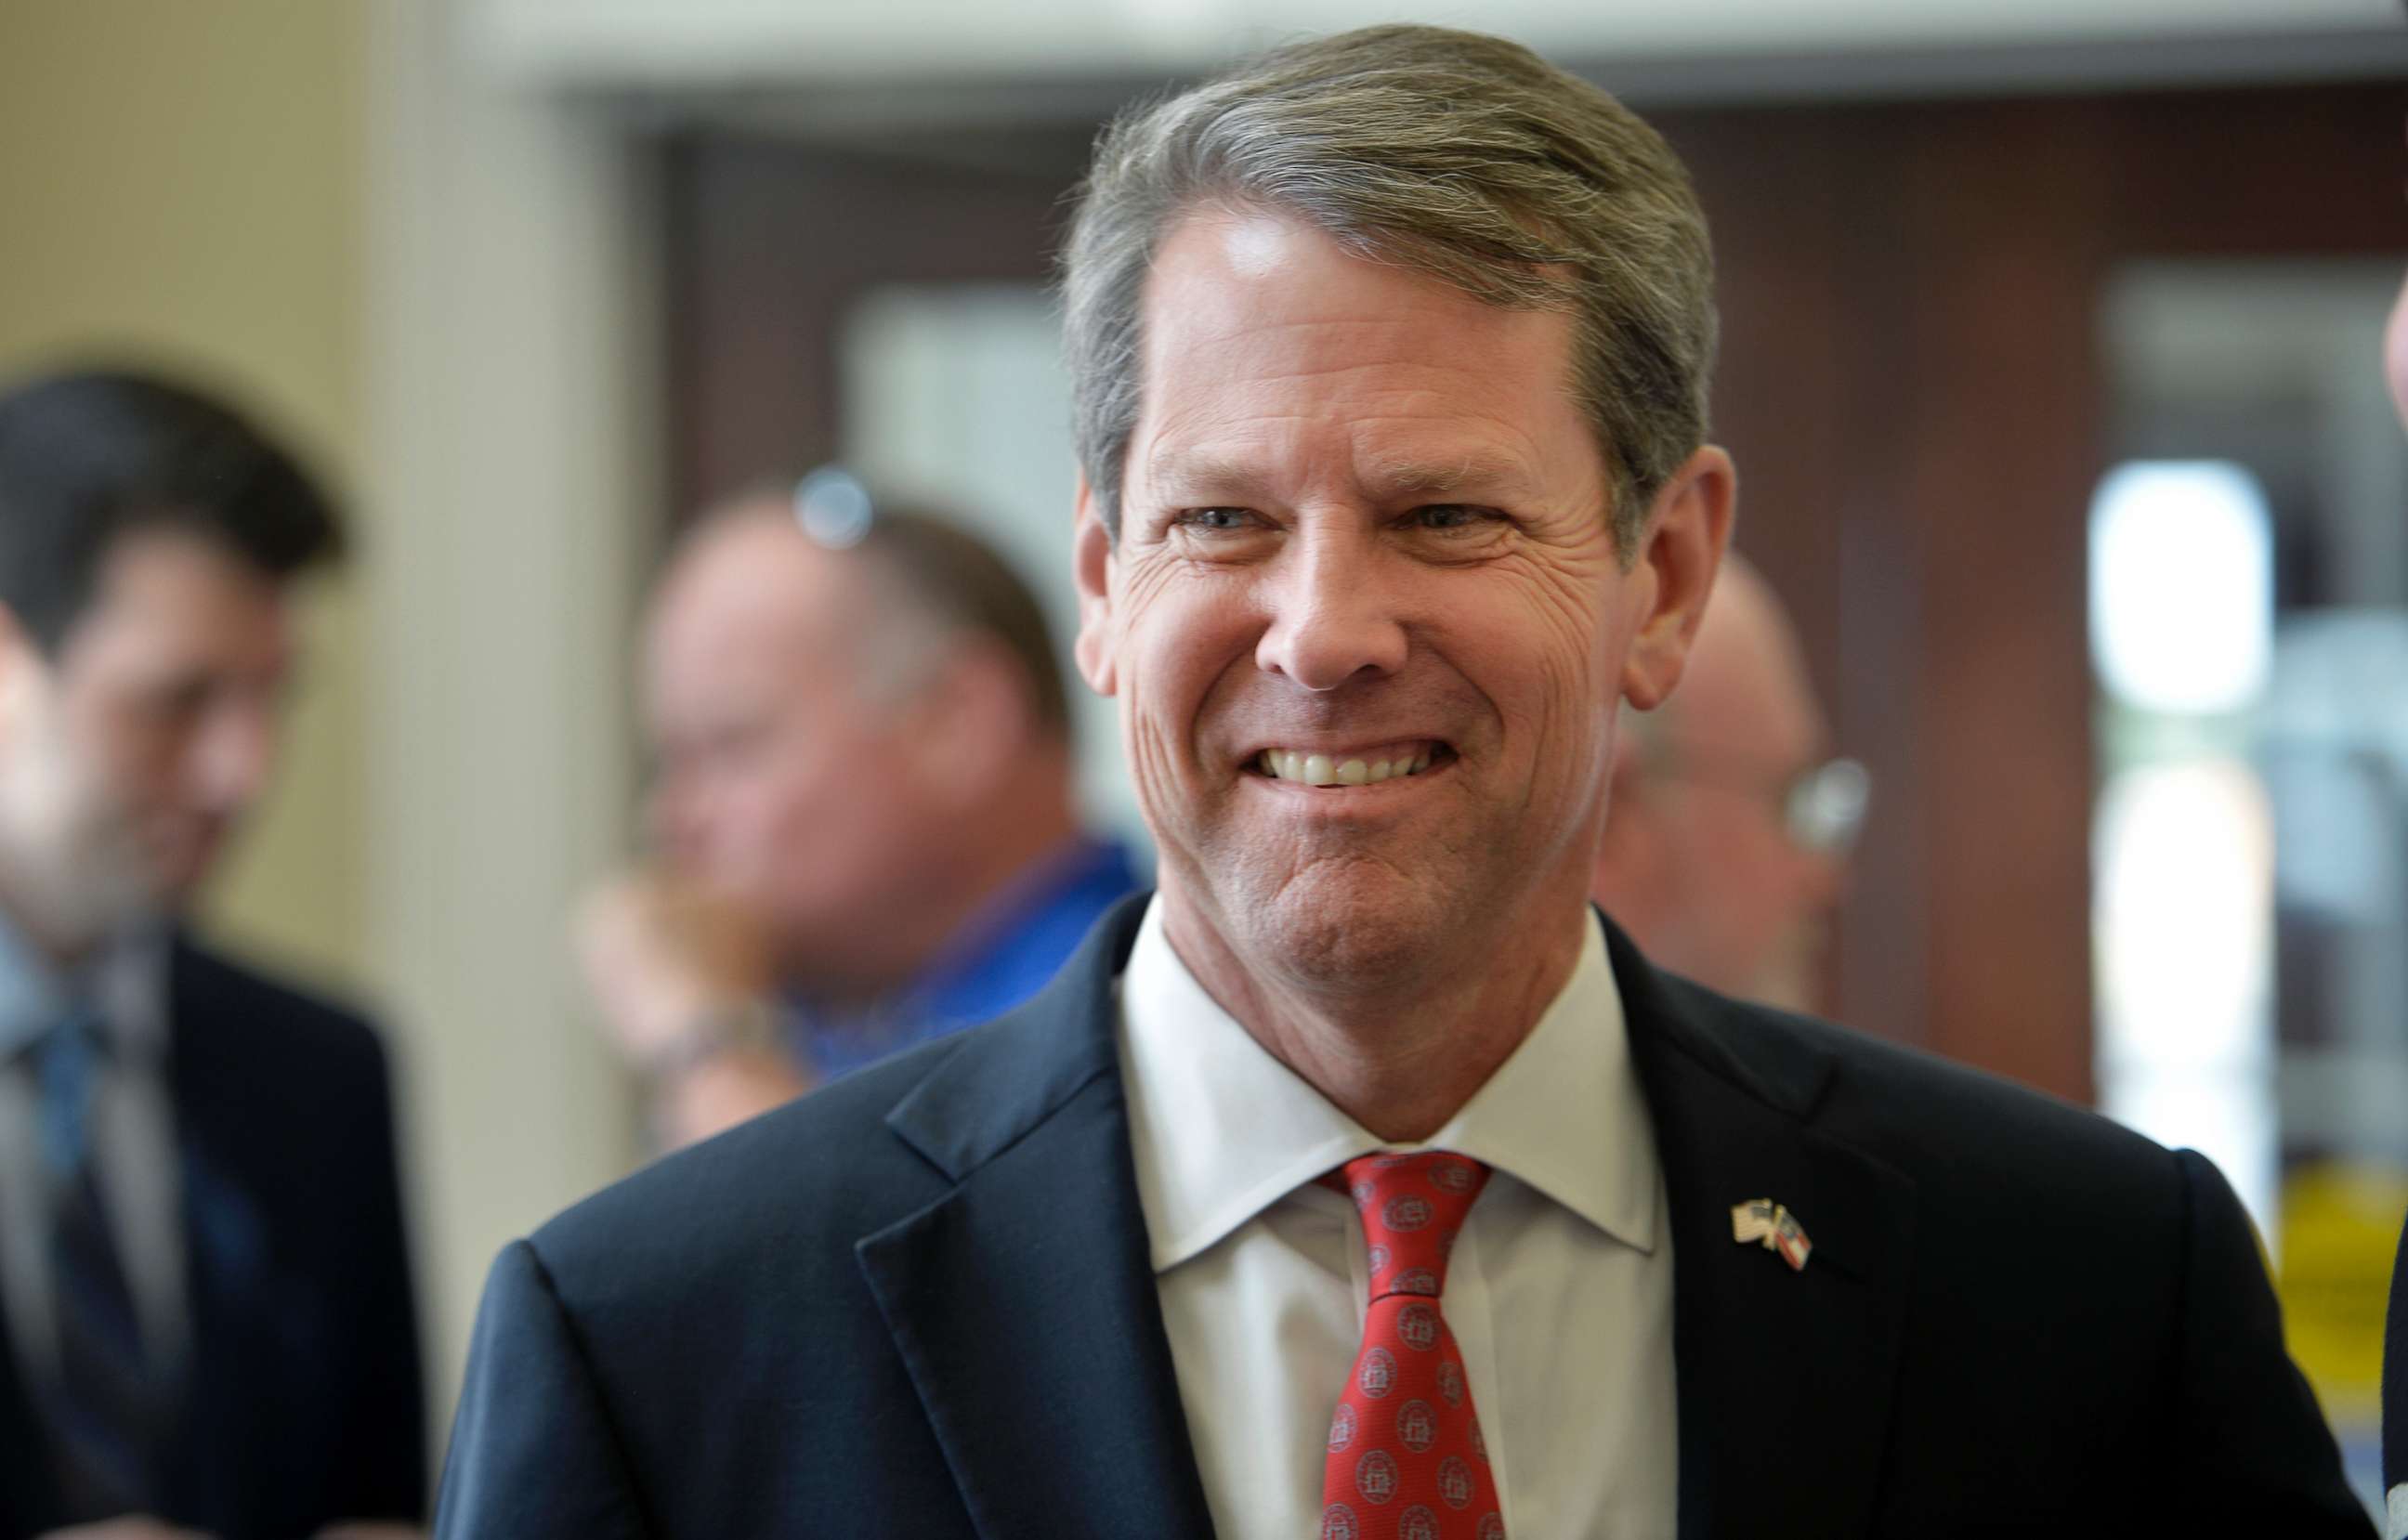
1334	613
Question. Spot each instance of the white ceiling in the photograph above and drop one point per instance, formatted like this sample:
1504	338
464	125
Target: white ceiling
657	45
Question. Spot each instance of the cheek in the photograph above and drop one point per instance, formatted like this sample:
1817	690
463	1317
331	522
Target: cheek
1756	853
1182	650
112	762
1541	669
843	812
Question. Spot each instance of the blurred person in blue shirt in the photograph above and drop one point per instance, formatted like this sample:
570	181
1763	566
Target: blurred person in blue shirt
863	810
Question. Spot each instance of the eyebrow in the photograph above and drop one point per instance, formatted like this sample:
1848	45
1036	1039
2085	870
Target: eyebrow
1201	477
1189	477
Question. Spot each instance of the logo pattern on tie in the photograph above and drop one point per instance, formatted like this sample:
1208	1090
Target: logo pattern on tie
1406	1460
1379	1375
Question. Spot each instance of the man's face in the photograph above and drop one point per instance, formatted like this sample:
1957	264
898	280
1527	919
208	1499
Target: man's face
1737	903
127	759
779	784
1364	523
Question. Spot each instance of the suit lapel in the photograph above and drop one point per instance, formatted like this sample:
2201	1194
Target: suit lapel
1023	1302
227	1282
28	1501
1786	1377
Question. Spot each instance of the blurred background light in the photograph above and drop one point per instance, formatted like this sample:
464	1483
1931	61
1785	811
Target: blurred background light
2183	918
2181	586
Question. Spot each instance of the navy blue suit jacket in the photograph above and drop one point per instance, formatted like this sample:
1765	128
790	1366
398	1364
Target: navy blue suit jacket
919	1302
303	1401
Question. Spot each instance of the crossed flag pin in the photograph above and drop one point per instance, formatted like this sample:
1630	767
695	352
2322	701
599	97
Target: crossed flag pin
1775	1227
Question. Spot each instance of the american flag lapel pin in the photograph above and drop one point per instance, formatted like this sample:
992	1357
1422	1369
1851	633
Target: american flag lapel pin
1774	1227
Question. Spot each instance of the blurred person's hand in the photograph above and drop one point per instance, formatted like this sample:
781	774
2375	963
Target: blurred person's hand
671	967
683	980
132	1527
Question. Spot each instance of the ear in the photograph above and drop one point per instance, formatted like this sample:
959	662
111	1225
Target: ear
1091	562
1687	530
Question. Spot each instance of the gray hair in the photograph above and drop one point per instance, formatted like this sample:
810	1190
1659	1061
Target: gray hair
1451	153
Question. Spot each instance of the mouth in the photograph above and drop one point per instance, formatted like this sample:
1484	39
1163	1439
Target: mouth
1370	766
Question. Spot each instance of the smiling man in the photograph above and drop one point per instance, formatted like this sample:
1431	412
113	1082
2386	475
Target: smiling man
1364	1182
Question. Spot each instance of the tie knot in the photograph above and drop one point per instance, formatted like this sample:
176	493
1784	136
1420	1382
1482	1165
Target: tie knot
68	1060
1411	1207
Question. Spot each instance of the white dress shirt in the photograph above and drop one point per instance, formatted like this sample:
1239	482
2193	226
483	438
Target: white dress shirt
133	1136
1559	1291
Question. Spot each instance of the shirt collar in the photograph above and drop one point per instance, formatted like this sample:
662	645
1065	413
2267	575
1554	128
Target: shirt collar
1221	1130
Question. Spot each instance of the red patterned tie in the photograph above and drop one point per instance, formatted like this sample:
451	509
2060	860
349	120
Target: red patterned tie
1406	1459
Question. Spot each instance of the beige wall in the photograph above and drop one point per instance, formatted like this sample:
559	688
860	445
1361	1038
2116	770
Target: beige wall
180	183
436	283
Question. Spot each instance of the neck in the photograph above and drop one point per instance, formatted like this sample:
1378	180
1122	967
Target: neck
973	861
1401	1053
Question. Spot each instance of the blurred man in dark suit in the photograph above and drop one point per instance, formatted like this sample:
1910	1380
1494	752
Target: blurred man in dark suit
206	1298
864	809
1732	821
1364	1180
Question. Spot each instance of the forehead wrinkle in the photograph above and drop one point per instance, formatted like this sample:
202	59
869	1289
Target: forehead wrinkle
1194	473
1389	477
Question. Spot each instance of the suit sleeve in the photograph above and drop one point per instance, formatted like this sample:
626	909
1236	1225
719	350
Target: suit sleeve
2251	1454
533	1454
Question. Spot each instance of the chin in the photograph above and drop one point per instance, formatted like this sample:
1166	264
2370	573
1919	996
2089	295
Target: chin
1346	921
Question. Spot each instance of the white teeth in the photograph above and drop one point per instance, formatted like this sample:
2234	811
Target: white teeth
1322	770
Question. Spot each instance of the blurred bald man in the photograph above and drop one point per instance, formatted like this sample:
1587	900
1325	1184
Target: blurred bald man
1728	844
863	810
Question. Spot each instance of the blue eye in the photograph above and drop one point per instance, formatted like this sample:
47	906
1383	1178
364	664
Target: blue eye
1212	519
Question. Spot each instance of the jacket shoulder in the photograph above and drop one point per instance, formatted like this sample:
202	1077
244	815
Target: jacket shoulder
794	1187
225	994
1975	1144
